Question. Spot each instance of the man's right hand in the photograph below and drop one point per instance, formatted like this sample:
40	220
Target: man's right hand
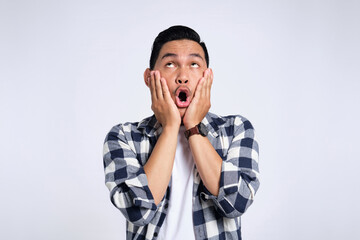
159	166
162	105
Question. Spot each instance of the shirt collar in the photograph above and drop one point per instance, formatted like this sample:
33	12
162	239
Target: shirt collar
151	127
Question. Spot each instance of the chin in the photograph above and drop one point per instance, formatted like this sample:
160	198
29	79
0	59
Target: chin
182	112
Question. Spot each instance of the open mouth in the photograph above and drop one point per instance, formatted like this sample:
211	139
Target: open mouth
182	97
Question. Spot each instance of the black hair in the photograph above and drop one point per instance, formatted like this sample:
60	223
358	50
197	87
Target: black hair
175	33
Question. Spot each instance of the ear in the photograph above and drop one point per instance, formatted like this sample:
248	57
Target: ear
147	76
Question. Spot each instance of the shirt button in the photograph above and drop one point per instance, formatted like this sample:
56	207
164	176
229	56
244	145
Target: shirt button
155	234
166	206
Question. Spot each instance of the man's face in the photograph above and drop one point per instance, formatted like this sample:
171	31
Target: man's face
182	63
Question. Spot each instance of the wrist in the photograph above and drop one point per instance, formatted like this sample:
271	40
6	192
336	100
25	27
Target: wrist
200	129
171	128
190	125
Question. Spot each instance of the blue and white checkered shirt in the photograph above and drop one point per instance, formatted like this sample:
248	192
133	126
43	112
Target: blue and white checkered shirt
128	146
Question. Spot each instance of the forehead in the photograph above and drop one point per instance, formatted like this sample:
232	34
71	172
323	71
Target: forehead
182	48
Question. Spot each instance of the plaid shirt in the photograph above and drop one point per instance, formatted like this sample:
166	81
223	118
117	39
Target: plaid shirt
128	146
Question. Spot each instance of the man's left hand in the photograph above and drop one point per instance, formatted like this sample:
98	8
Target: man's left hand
200	103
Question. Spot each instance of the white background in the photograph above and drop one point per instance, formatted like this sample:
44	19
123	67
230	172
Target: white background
70	70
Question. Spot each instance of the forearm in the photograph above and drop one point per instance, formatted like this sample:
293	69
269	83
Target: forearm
208	162
158	168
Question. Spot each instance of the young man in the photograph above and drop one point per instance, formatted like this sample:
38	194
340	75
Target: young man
183	173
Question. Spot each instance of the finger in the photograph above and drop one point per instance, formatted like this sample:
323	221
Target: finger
199	87
211	78
158	87
209	84
152	87
205	84
165	89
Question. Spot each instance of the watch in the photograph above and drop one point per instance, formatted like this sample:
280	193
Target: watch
198	129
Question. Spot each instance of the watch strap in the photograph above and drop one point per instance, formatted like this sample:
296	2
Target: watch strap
192	131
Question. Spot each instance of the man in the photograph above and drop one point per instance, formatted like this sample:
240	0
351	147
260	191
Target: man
183	173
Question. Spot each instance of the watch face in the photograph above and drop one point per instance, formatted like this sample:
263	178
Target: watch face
202	129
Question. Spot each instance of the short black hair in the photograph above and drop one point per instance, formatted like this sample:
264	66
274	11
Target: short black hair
175	33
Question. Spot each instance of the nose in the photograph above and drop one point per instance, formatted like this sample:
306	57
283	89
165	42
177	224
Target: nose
179	81
182	77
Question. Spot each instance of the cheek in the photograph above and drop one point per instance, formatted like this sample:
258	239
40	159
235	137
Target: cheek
170	79
194	84
197	75
168	75
171	85
196	78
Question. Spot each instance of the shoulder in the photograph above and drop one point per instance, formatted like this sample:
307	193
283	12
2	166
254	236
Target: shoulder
131	128
229	121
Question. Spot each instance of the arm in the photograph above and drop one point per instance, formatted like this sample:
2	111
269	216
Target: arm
126	179
207	160
158	168
232	182
239	179
136	190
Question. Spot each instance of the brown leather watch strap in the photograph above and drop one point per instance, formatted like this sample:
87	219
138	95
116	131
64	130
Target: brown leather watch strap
192	131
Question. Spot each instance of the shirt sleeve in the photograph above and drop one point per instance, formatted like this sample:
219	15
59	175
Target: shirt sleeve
239	180
126	179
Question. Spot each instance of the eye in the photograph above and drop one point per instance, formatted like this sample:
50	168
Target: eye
170	64
194	65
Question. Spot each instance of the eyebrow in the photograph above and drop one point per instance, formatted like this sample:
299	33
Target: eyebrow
175	55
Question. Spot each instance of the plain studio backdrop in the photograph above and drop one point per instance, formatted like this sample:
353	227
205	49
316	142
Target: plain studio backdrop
70	70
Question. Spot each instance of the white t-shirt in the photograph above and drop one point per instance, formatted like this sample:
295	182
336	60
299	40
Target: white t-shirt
178	223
